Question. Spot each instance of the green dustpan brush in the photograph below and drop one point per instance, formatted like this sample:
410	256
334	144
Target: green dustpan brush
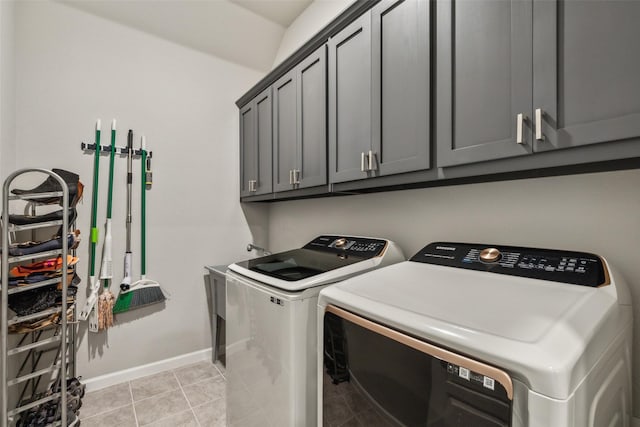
144	291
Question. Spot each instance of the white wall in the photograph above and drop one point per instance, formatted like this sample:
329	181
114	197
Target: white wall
73	67
313	19
594	213
7	88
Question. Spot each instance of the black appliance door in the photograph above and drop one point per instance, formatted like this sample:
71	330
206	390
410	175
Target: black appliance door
377	376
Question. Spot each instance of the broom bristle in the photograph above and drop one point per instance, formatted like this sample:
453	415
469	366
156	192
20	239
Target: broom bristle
137	298
122	302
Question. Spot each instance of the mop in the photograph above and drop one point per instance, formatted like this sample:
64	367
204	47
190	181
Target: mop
107	299
89	309
144	291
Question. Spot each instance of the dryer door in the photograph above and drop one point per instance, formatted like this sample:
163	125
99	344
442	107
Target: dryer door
380	376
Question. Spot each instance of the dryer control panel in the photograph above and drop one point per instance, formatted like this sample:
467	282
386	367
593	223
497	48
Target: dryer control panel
359	246
576	268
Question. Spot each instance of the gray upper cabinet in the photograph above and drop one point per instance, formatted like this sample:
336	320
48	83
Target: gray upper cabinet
300	138
255	146
379	93
483	80
284	131
400	86
586	71
312	120
495	85
350	100
248	149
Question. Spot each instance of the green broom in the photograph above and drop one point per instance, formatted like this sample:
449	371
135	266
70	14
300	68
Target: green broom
89	309
144	291
106	298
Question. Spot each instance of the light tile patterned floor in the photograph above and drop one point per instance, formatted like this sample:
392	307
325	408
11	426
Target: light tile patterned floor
190	396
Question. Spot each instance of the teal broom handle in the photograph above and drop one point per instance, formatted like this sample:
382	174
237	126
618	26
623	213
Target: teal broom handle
143	208
94	202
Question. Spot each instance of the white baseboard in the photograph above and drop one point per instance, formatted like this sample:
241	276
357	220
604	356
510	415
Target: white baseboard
118	377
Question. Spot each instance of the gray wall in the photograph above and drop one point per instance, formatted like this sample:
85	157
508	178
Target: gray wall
73	67
7	88
594	213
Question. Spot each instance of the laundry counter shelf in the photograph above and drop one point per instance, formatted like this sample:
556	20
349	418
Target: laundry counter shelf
216	291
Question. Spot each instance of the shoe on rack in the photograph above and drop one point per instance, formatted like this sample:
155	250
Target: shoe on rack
28	248
50	265
51	184
36	219
33	301
39	277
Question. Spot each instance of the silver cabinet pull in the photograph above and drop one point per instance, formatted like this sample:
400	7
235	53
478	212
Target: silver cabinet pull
520	128
372	160
362	166
539	135
252	185
290	176
296	176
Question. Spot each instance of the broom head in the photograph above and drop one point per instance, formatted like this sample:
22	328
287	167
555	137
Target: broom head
141	294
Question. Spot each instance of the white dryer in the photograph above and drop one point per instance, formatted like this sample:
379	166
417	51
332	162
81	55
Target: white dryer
271	302
478	335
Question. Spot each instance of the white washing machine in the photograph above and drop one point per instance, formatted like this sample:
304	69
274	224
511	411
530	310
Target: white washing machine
271	303
474	335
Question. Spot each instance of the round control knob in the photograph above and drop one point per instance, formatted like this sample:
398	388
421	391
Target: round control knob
340	242
490	255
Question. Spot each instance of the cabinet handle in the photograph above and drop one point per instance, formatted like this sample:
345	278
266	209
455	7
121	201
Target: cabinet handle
252	185
539	135
290	176
296	176
362	163
520	128
372	160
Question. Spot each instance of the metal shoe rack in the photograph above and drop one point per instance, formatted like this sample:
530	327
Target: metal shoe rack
58	337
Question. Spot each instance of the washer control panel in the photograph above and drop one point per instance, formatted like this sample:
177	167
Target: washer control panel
359	246
577	268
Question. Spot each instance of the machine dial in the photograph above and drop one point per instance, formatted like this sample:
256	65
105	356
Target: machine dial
490	255
340	242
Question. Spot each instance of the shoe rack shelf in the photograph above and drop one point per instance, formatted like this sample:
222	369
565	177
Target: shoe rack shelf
38	341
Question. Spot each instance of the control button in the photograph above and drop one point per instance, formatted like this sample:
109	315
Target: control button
340	242
490	255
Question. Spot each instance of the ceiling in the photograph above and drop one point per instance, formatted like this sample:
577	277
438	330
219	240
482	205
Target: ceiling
282	12
247	32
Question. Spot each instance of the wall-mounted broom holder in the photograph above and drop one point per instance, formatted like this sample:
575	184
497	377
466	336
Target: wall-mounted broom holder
107	148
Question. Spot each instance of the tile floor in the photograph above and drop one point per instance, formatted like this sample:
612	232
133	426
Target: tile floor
190	396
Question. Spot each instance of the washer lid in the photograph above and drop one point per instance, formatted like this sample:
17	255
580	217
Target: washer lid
547	334
326	259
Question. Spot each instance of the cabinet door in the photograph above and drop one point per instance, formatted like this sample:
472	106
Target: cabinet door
586	71
284	131
350	100
400	91
312	119
248	149
484	61
264	138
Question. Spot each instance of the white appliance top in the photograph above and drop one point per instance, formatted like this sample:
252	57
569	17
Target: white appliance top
545	333
326	259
